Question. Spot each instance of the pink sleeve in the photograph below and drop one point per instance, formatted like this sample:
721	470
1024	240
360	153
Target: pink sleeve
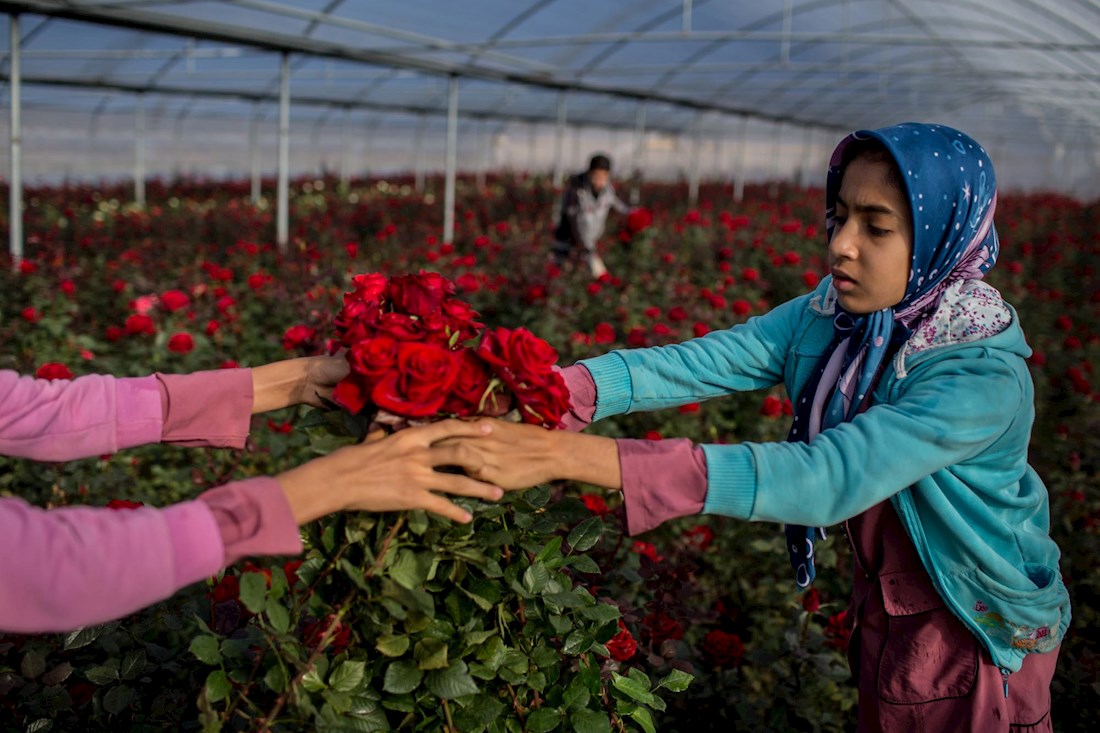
212	408
582	397
662	480
65	419
77	566
254	518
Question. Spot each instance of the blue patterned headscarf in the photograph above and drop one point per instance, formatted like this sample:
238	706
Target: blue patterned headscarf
952	195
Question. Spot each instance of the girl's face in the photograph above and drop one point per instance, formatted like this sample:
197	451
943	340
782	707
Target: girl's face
872	244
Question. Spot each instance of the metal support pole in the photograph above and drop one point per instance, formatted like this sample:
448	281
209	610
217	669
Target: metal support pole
483	167
559	141
739	161
452	161
15	203
639	152
139	150
693	175
254	154
687	16
418	153
283	186
345	154
777	151
531	147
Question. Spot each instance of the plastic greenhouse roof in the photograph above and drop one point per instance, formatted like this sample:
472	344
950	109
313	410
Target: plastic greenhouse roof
1010	72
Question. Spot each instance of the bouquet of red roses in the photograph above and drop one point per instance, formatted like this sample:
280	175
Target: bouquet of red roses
418	354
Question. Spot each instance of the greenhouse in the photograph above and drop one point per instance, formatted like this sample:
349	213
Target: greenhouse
328	227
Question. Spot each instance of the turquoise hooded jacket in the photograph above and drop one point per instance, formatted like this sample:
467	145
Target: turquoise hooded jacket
945	440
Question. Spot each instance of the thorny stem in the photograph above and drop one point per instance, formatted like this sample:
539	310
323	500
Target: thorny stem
447	712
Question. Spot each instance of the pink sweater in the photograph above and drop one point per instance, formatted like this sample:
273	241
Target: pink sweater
76	566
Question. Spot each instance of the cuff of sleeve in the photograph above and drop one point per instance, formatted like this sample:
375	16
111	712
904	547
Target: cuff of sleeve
662	480
212	408
196	542
138	407
253	518
731	481
613	387
582	397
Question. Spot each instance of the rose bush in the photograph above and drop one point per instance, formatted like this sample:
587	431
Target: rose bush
357	634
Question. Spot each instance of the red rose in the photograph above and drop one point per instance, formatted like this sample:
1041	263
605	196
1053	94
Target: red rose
837	630
356	321
517	356
723	648
30	315
181	343
604	334
351	393
647	549
373	357
810	278
53	370
750	275
419	384
622	646
639	220
290	570
299	337
124	504
470	387
741	307
660	627
700	536
811	600
595	504
461	319
137	325
368	288
338	639
227	589
419	294
174	300
399	326
772	407
212	327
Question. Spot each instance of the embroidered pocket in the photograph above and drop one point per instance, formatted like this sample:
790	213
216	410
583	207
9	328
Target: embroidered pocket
928	654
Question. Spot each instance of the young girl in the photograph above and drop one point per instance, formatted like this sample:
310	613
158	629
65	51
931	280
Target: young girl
913	411
76	566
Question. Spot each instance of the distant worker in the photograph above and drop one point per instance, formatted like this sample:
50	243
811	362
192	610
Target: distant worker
587	198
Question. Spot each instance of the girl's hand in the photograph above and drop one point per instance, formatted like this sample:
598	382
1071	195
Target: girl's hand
296	381
392	474
518	456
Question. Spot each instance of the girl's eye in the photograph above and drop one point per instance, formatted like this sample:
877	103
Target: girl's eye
840	219
876	232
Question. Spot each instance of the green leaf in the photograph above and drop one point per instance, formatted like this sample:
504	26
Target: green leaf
483	603
410	569
58	674
314	680
543	720
535	578
642	717
133	665
278	616
491	653
40	726
119	698
577	642
455	681
586	534
33	665
217	686
275	679
590	721
402	677
677	681
392	645
576	697
601	612
569	599
551	550
348	677
101	675
85	636
417	521
632	688
430	654
279	585
253	591
205	648
584	564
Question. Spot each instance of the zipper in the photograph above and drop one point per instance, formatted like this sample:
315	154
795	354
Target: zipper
1004	676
